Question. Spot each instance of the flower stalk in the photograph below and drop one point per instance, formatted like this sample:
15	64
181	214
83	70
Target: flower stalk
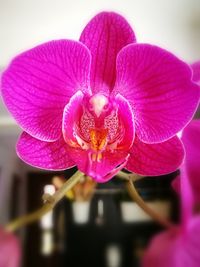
140	202
129	176
49	203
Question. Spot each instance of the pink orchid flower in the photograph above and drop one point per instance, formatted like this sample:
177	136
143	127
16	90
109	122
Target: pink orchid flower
102	103
180	246
9	250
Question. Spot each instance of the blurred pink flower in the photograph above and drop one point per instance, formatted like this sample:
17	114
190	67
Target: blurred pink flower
196	78
191	141
102	103
196	71
9	250
175	248
180	246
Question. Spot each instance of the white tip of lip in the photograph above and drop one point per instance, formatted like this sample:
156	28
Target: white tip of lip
98	102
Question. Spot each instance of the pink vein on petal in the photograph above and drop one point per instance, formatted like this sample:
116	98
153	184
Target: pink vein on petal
155	159
44	155
39	83
105	35
159	88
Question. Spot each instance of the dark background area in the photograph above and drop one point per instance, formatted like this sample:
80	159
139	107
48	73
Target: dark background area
104	234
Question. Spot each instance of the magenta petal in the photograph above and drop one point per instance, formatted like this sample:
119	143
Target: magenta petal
105	35
187	254
155	159
191	141
182	186
44	155
162	250
175	248
103	170
10	252
127	116
196	72
159	88
187	199
188	184
39	83
70	116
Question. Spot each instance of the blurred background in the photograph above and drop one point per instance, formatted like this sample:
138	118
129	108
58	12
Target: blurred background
102	228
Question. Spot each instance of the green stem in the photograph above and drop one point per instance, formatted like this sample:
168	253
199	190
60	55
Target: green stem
50	202
129	176
154	215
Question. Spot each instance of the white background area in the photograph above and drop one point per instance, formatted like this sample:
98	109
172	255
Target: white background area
171	24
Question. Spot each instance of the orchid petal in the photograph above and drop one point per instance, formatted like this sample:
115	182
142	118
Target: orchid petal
187	253
162	249
175	248
10	250
187	198
191	141
105	35
159	88
39	83
196	71
155	159
100	170
70	115
127	116
44	155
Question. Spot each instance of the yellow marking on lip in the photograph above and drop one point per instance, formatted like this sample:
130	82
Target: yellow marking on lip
98	138
96	157
99	157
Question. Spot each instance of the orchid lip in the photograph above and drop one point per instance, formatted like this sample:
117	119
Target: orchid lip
109	175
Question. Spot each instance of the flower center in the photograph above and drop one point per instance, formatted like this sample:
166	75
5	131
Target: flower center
98	127
99	124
